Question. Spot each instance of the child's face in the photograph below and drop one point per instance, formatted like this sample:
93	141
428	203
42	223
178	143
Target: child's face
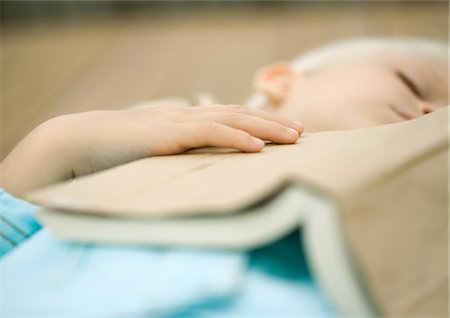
360	92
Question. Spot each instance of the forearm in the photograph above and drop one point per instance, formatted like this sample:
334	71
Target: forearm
78	144
39	159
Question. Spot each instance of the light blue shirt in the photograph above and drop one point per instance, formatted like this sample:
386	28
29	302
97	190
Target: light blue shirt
16	222
46	276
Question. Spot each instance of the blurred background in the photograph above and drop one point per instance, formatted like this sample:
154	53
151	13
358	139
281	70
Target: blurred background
68	56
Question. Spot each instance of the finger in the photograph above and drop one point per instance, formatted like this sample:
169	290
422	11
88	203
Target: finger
252	112
255	126
201	134
296	125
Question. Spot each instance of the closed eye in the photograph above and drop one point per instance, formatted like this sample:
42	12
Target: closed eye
409	83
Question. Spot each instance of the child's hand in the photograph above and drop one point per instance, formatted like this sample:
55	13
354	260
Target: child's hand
77	144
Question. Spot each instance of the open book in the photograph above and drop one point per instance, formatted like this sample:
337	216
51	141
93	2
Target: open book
373	203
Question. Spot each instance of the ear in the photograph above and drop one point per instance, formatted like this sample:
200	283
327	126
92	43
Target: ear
274	82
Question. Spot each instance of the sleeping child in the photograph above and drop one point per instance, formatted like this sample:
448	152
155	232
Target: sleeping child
355	84
348	85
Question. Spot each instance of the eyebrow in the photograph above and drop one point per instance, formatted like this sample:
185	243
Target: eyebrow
409	83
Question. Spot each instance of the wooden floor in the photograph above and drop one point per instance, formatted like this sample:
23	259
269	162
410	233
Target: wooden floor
60	67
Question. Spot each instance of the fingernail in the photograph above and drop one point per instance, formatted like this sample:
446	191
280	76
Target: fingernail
260	143
292	132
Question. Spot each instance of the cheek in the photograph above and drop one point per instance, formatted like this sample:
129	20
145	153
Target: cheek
340	106
317	111
342	115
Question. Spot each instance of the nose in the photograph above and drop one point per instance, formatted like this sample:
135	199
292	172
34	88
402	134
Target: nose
426	107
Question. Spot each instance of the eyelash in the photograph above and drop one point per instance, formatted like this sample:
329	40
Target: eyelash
409	83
